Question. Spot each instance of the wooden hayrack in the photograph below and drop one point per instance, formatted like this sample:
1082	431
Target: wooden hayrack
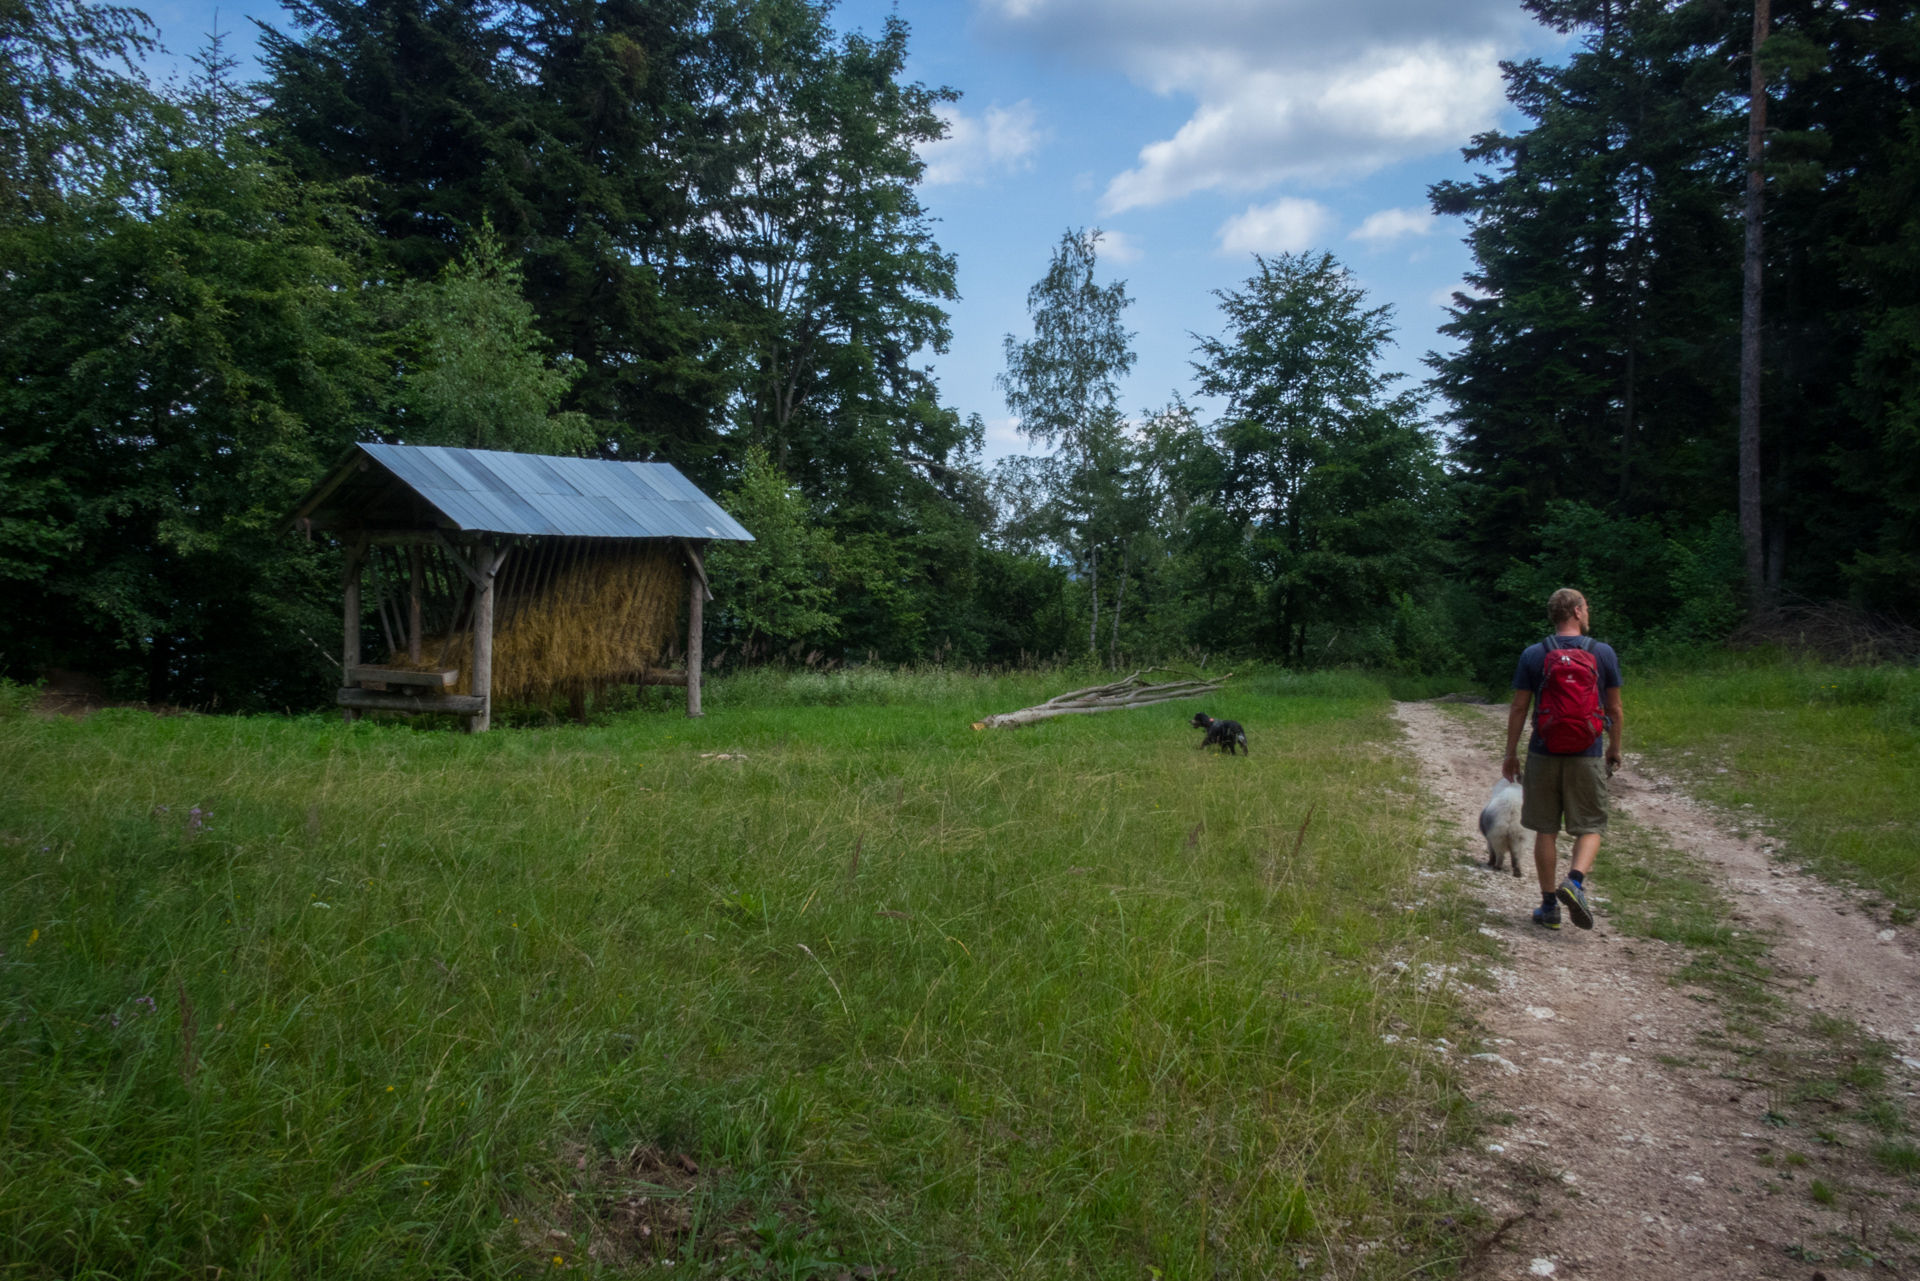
571	563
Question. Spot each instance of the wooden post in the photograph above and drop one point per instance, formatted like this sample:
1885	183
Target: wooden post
486	560
696	626
350	611
416	575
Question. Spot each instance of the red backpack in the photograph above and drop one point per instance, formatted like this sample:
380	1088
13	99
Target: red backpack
1570	720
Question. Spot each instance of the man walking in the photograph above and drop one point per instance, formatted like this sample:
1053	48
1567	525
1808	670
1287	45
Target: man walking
1573	684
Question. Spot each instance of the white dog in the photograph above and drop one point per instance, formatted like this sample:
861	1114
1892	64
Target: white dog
1500	824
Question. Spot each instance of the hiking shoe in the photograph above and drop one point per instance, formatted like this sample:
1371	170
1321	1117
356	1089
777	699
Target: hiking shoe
1575	898
1547	916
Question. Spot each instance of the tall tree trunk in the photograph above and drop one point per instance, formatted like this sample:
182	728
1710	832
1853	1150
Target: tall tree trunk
1626	424
1093	628
1750	321
1637	283
1120	598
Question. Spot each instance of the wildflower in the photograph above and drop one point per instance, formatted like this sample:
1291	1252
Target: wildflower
33	938
389	1089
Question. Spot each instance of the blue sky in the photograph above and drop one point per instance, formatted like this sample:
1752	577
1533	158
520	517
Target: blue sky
1193	132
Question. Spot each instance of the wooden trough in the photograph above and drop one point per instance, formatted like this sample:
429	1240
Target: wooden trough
515	576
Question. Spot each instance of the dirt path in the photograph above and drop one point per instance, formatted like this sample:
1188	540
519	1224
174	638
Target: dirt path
1639	1143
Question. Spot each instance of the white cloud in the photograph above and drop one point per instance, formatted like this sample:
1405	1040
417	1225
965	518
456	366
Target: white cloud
1256	127
1120	246
1388	225
1003	437
1000	141
1286	226
1284	90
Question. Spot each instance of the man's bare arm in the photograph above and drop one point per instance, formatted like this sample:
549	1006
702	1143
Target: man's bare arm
1614	715
1516	722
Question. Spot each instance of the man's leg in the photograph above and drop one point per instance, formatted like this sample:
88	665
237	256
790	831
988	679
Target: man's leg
1540	812
1585	794
1546	859
1585	849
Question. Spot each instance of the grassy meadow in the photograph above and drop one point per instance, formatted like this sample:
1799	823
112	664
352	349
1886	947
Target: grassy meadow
825	982
1827	759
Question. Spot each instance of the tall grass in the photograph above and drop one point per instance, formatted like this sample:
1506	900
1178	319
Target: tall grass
1073	1000
1826	758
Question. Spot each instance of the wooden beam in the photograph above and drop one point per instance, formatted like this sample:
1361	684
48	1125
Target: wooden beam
473	575
696	626
485	565
372	700
401	676
348	468
403	537
694	563
662	678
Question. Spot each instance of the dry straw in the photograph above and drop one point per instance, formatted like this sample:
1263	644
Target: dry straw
573	616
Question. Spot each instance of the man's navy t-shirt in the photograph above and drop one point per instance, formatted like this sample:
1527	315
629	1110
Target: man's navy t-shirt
1532	673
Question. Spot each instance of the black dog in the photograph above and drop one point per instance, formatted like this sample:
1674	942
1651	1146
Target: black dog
1220	733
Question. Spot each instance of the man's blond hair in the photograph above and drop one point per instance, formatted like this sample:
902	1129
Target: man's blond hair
1563	604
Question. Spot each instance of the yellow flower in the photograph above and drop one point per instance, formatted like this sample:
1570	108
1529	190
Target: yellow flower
33	938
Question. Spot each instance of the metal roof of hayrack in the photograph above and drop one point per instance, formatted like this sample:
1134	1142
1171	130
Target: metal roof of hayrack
488	491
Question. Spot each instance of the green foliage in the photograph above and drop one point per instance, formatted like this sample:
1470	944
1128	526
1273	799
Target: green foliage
1595	355
691	231
771	593
16	699
178	368
1063	386
1654	592
74	108
1338	481
1063	383
477	377
834	277
1592	357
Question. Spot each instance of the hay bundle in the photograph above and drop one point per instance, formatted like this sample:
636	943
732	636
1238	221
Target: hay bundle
571	616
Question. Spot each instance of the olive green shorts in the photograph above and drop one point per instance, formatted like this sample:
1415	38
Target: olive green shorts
1569	787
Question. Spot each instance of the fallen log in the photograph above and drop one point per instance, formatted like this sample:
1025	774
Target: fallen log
1134	691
